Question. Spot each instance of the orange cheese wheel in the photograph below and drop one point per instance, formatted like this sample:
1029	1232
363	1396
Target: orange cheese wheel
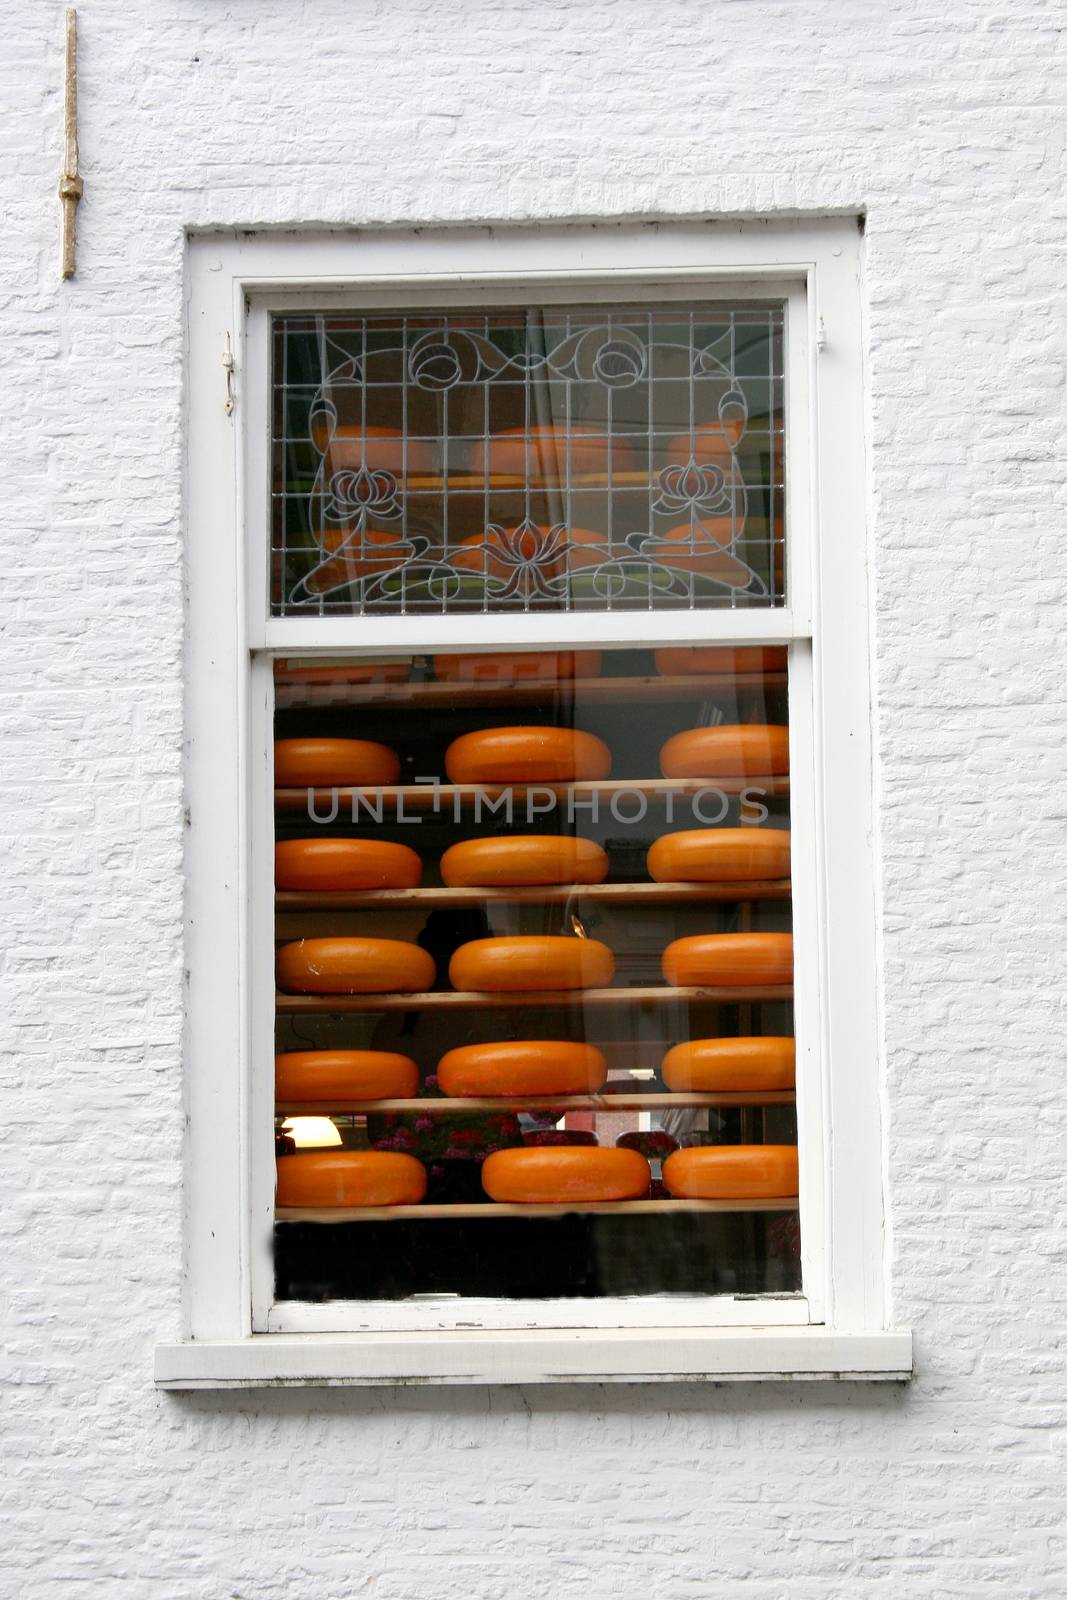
727	751
367	554
349	1178
300	763
720	855
712	960
378	449
522	1067
532	962
544	451
527	755
733	1172
353	966
523	859
317	1075
731	1065
555	1175
511	666
703	547
512	553
677	663
312	864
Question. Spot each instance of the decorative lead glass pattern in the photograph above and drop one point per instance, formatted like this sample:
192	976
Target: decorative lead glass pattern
538	459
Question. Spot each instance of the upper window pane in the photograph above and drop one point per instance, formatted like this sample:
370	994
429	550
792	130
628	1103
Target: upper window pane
563	458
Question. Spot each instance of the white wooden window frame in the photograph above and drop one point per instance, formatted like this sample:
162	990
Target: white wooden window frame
233	1333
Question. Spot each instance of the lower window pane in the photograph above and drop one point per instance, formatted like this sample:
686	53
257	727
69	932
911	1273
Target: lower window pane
534	1021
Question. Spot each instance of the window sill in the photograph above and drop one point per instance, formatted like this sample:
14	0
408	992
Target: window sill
547	1356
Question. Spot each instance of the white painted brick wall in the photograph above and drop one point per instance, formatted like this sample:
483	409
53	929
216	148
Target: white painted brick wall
945	119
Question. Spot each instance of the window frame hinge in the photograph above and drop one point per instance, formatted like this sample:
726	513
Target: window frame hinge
230	405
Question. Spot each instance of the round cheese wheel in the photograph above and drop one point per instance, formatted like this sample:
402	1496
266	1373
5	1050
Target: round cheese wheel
532	962
554	1175
356	556
518	859
314	763
527	755
720	855
313	864
522	1067
733	1172
317	1075
537	666
731	1065
711	960
353	966
731	750
703	548
379	449
544	452
511	554
698	659
349	1178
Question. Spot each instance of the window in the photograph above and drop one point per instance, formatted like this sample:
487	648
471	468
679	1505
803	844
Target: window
546	798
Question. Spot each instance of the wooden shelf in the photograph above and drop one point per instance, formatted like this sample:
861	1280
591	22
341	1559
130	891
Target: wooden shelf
443	1106
492	1209
622	894
448	798
586	691
476	1000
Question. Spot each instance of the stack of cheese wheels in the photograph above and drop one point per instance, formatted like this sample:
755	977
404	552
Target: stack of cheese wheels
315	763
733	1172
728	1065
329	1178
522	666
313	864
720	855
354	966
727	751
531	961
522	1067
527	755
554	1175
711	960
549	454
699	659
313	1076
378	449
518	859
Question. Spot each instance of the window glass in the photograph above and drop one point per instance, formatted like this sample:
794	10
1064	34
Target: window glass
534	1020
558	458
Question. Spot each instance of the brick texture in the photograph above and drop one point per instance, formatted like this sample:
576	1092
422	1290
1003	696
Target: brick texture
944	120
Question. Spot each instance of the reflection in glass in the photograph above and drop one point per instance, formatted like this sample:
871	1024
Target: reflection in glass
541	459
534	967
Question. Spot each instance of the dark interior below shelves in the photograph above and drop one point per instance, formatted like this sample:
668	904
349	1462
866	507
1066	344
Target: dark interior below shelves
539	1258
